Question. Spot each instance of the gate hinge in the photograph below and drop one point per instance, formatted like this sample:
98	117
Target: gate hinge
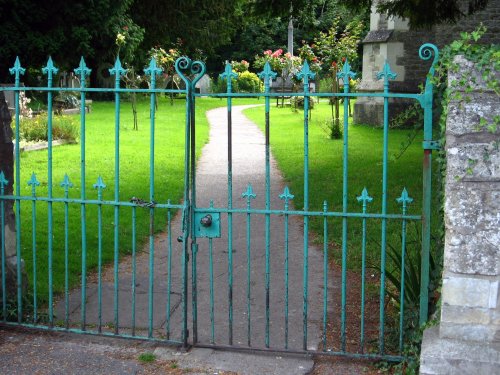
431	145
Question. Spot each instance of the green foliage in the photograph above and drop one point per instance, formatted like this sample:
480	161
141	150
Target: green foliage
34	30
34	129
147	357
248	82
337	44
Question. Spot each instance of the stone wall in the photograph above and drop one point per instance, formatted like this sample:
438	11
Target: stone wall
468	335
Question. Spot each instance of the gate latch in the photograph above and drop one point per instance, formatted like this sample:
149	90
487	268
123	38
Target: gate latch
207	224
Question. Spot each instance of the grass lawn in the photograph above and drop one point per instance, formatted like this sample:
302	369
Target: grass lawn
365	170
100	161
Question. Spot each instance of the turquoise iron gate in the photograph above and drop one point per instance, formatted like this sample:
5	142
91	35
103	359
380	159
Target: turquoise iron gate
232	317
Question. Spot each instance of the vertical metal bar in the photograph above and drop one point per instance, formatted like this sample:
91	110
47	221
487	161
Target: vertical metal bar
34	183
387	74
249	289
169	269
83	72
212	316
426	225
228	75
267	74
230	215
325	272
117	71
306	208
286	278
99	186
50	70
66	185
186	213
363	279
268	227
134	265
426	51
384	219
286	196
364	198
402	290
249	196
344	210
194	245
152	107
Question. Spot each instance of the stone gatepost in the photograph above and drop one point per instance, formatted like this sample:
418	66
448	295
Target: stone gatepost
467	339
6	165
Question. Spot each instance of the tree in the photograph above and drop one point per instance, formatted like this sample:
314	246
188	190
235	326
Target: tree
198	24
33	30
420	13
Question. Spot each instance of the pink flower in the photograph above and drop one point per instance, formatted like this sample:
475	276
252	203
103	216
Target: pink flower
268	52
277	53
288	55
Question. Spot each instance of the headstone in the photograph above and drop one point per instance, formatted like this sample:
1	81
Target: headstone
203	85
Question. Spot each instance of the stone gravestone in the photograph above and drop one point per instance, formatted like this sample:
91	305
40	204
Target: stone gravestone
6	165
467	339
203	85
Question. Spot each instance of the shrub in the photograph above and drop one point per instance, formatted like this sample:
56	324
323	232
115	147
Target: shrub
248	82
35	129
298	102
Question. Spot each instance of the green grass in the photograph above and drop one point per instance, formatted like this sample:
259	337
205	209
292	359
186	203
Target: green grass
100	161
365	170
147	357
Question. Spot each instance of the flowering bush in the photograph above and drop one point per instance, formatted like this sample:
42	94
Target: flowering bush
306	53
240	66
165	60
34	129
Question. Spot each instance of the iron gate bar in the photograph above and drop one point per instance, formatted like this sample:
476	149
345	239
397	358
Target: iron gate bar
404	200
83	72
309	213
387	74
228	75
34	183
365	199
267	75
99	186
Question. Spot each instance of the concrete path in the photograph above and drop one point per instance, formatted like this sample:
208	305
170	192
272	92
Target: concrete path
248	167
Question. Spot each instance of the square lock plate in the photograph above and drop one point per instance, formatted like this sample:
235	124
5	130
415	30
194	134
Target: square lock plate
207	224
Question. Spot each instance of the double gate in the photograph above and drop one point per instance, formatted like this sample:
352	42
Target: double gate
235	265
